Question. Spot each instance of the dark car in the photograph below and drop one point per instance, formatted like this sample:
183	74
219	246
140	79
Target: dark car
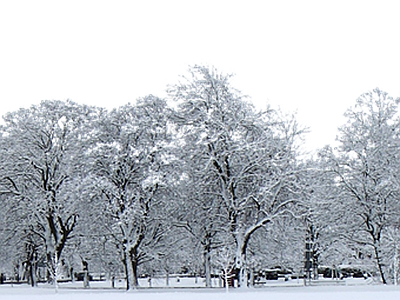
81	276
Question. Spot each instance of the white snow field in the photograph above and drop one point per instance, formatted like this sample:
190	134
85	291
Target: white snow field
366	292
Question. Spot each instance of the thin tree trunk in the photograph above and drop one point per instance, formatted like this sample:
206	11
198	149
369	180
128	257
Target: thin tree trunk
113	282
135	279
207	267
378	262
226	281
86	274
125	263
167	278
395	265
31	268
32	274
56	271
251	281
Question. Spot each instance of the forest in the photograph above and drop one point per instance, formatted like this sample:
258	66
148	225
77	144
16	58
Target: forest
200	183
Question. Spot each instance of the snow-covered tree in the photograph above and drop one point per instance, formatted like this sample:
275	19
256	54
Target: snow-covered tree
321	221
366	165
249	157
130	162
41	150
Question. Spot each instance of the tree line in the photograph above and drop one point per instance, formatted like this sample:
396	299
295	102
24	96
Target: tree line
196	183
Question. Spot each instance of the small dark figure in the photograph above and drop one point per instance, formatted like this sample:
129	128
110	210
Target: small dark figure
113	281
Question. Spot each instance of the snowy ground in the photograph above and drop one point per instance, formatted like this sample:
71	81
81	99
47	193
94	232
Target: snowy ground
349	292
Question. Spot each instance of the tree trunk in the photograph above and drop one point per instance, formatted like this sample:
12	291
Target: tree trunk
243	277
251	281
56	271
86	280
131	269
226	279
240	260
129	275
113	282
207	267
85	268
241	267
31	267
53	256
395	265
32	274
125	264
51	268
167	278
242	241
135	279
378	261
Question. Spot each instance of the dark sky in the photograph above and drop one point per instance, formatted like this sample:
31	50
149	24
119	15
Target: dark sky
318	78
